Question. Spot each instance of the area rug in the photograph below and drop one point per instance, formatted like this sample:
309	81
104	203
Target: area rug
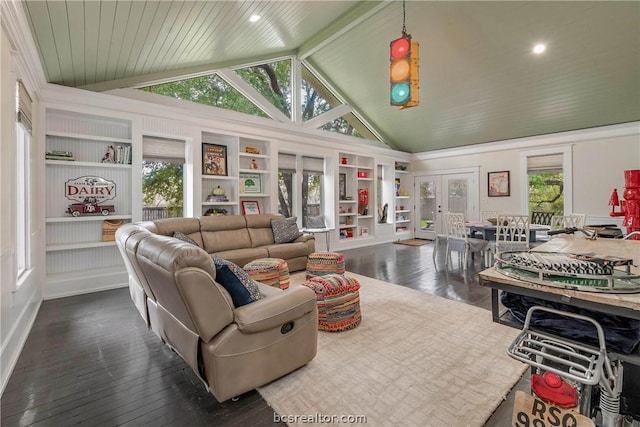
411	242
416	360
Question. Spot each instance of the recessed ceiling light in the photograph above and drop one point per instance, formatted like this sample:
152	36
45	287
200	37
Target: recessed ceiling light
254	18
539	48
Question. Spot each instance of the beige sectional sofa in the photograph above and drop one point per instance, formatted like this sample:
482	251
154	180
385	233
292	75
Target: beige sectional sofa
238	238
173	285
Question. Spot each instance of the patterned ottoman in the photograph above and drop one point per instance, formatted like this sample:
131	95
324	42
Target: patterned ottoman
338	299
324	263
270	271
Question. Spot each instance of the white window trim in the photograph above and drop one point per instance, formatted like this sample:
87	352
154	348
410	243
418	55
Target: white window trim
22	259
567	174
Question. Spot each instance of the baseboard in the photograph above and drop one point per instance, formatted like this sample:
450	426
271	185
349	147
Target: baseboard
78	283
17	337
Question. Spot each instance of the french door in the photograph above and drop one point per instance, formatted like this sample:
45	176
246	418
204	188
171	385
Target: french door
438	193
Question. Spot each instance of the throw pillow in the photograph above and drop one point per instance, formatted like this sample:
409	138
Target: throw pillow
242	288
315	222
285	230
181	236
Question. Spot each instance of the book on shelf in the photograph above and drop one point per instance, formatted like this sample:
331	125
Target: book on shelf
123	154
59	155
213	198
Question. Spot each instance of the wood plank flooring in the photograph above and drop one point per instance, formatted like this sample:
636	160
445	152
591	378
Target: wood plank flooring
90	360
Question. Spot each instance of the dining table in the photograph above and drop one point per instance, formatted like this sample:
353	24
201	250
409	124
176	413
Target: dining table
488	230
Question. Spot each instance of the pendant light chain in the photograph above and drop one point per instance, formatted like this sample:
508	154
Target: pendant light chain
404	16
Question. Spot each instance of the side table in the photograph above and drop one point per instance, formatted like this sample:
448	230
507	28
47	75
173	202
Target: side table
325	230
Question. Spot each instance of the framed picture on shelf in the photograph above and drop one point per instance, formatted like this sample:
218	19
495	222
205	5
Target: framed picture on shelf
250	207
498	184
342	185
214	159
250	183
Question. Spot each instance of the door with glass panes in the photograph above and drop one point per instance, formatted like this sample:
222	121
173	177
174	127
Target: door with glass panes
439	193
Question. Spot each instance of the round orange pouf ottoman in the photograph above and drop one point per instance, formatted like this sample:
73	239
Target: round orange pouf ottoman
325	263
270	271
338	299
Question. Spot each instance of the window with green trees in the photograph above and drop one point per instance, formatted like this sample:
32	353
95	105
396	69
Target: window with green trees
546	192
162	189
546	183
308	180
273	81
209	90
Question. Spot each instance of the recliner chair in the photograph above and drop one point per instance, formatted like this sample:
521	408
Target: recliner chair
232	350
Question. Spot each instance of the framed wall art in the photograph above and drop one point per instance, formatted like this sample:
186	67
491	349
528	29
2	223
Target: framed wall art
250	183
214	159
250	207
498	184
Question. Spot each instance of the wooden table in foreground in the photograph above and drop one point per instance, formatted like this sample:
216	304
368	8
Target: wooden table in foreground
627	305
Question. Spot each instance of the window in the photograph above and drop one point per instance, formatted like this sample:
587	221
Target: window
209	90
305	186
273	81
318	99
162	178
286	178
547	185
23	181
312	173
23	232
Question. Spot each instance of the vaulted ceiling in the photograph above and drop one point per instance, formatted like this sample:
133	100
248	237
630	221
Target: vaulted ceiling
479	80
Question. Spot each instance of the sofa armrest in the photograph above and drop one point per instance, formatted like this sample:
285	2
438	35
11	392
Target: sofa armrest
305	238
275	310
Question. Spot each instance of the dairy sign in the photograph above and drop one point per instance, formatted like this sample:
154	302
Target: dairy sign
94	188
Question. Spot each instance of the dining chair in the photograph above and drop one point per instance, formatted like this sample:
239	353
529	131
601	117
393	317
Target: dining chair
440	239
566	221
459	241
512	234
541	218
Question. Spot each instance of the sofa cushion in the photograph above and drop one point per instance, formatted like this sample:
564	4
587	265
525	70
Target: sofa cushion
259	227
223	233
242	288
285	230
181	236
291	250
243	256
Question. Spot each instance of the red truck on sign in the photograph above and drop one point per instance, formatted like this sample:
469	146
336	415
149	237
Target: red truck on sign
88	207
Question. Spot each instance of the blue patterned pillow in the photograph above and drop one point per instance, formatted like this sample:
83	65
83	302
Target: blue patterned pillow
242	288
285	230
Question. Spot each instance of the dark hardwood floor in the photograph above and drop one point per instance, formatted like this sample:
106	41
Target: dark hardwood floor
90	360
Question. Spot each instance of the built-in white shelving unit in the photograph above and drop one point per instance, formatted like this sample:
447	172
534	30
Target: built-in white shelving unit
247	179
75	250
402	207
356	197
